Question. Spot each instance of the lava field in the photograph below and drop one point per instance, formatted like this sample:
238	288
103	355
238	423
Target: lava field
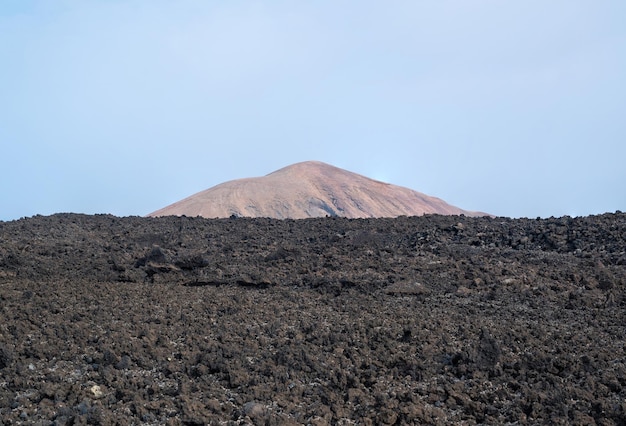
412	320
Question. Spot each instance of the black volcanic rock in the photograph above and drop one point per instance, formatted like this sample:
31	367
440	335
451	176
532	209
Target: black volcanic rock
413	320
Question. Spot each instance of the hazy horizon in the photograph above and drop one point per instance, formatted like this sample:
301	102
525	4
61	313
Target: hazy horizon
123	107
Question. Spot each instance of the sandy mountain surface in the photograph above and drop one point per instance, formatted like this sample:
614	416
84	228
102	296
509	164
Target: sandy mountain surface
309	189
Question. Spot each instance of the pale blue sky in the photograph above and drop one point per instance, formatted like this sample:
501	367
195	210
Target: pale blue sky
512	107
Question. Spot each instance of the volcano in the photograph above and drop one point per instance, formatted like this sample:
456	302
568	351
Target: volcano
309	189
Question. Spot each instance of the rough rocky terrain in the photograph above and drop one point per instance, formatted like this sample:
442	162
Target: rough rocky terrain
413	320
309	189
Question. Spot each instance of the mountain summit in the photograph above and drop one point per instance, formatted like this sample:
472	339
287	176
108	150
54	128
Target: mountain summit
309	189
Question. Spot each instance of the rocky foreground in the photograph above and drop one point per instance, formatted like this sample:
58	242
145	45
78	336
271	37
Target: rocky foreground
433	320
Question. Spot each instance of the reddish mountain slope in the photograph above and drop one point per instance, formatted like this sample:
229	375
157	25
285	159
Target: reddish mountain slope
309	189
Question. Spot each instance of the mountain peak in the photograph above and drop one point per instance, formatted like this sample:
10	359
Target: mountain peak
309	189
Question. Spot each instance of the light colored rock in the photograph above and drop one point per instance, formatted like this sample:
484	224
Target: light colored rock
96	392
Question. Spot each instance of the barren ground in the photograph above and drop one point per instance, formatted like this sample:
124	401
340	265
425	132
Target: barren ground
310	189
433	320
